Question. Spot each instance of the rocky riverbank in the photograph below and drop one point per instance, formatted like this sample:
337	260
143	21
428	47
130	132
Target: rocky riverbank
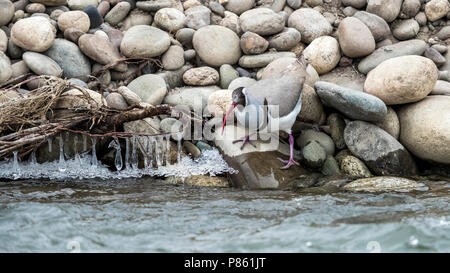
376	101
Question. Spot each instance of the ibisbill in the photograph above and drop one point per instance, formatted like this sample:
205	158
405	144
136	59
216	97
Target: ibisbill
270	105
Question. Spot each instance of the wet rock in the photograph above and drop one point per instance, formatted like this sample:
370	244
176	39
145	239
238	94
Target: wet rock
192	97
170	19
384	184
252	174
441	88
425	128
150	88
323	54
95	19
352	103
69	57
100	50
201	76
386	9
219	102
377	25
197	17
411	47
310	23
227	75
355	38
191	149
217	45
307	136
241	82
252	43
382	153
436	9
261	60
41	64
394	84
173	58
74	19
144	42
116	101
33	33
262	21
406	30
6	12
330	166
337	126
390	123
118	13
285	40
354	167
435	56
5	68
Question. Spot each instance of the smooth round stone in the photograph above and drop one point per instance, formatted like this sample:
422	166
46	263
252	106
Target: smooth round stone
150	88
173	58
14	52
406	30
116	101
184	36
252	43
390	123
3	41
436	9
330	166
73	34
323	139
261	60
310	23
314	154
377	25
435	56
191	149
355	38
95	18
41	64
231	21
239	6
217	8
189	54
285	40
197	17
410	8
357	4
323	54
144	42
33	33
118	13
35	8
354	104
441	88
5	68
336	125
354	167
384	184
410	47
382	153
262	21
6	12
115	36
201	76
386	9
19	68
74	19
241	82
219	102
394	84
78	82
130	97
70	58
227	75
170	19
295	4
217	45
312	108
100	50
425	128
81	4
135	18
421	18
52	3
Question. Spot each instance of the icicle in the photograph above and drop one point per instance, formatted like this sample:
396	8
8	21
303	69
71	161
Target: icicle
134	155
118	159
16	167
33	157
94	153
157	152
127	153
179	148
150	151
167	150
75	149
84	143
62	163
50	144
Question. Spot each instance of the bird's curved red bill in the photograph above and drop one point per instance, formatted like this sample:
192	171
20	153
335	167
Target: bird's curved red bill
230	110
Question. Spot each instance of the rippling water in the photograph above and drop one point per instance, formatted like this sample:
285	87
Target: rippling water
147	215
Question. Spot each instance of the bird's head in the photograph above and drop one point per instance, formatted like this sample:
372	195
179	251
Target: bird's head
237	98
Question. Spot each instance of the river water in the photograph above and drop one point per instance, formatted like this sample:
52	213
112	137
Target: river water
148	215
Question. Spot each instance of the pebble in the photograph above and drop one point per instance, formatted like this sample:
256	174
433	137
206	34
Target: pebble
410	8
261	60
95	18
394	84
310	23
116	101
252	43
384	184
354	167
130	97
434	55
33	33
118	13
191	149
219	102
295	4
144	42
323	54
239	6
150	88
81	4
136	17
357	4
390	123
337	126
285	40
41	64
102	8
19	68
201	76
262	21
227	75
35	8
441	88
231	21
170	19
312	108
314	155
436	9
3	41
74	19
197	17
377	25
355	38
407	29
386	9
5	68
192	97
307	136
330	166
6	12
173	58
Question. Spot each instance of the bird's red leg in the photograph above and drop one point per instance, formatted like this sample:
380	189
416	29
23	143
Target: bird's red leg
245	140
291	160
